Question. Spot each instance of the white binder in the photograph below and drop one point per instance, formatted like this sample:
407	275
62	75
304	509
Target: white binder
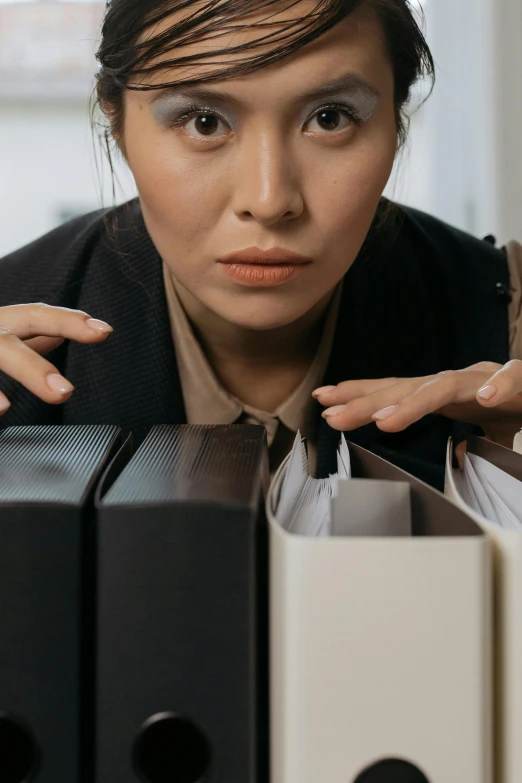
380	647
508	614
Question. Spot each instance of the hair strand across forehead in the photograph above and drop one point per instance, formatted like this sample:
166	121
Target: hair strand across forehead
139	53
140	38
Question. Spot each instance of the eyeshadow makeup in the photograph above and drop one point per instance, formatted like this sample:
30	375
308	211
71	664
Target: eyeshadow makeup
364	102
171	103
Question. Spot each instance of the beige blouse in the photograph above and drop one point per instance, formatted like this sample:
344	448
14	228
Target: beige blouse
208	402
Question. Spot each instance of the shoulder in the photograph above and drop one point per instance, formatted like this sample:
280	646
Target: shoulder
469	284
458	255
423	270
51	268
459	270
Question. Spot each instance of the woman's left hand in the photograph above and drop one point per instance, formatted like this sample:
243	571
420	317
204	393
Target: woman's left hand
486	394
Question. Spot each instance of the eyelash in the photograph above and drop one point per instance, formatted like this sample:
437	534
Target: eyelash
196	111
349	111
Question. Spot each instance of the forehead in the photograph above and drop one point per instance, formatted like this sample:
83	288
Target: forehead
225	20
356	44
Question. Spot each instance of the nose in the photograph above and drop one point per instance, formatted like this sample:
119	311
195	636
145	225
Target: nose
267	181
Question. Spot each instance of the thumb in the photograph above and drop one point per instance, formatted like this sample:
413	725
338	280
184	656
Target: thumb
43	345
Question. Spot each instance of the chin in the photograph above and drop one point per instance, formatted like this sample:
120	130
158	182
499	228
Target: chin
261	324
263	316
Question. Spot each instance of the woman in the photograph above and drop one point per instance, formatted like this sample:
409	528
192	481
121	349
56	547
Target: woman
260	261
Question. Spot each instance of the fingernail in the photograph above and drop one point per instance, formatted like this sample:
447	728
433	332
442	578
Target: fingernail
487	392
322	390
335	411
4	405
385	413
99	326
59	384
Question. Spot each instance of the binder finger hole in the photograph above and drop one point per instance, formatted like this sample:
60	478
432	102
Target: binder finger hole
171	748
19	752
392	771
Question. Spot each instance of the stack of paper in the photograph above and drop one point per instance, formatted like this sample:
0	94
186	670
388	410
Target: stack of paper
338	505
303	505
490	491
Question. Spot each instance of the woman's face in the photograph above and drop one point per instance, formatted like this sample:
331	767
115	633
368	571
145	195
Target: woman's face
294	156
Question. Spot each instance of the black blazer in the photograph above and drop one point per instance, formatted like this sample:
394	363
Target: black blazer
421	297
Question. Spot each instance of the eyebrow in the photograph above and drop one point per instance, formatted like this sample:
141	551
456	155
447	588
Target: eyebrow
346	83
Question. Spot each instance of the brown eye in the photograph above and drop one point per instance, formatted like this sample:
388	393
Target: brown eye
206	124
329	119
332	119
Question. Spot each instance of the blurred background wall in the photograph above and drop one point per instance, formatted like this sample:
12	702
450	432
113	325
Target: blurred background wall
48	169
463	162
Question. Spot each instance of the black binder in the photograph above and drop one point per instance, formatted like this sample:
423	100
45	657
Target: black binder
181	610
47	481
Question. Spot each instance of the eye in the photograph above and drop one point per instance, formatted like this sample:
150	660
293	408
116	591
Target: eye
204	124
333	118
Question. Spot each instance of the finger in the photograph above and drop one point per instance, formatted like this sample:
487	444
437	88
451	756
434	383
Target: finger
28	368
360	411
37	320
487	367
4	403
460	453
44	345
350	390
435	395
505	384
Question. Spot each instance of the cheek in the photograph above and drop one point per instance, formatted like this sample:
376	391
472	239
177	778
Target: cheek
347	191
181	195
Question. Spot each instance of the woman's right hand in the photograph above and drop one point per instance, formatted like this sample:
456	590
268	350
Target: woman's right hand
28	332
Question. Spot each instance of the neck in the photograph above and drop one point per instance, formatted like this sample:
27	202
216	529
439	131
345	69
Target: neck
260	368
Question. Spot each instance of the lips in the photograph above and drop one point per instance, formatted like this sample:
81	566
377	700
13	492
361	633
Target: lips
263	268
275	256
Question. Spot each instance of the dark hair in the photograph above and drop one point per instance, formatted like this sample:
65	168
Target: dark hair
122	55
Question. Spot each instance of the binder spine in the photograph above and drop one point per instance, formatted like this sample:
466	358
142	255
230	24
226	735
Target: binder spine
47	479
177	638
180	637
509	663
507	594
379	651
40	617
